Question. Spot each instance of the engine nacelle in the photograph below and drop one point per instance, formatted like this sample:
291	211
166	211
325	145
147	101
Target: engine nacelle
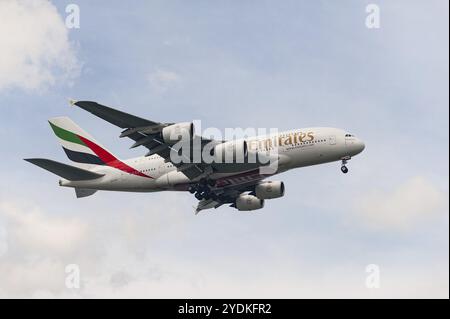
231	152
173	133
249	202
269	190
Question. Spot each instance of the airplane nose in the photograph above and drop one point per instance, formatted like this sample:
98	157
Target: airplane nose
360	145
354	145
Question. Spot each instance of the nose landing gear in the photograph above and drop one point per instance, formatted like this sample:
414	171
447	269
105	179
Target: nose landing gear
344	168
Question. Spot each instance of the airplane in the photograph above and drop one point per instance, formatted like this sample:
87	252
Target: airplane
242	184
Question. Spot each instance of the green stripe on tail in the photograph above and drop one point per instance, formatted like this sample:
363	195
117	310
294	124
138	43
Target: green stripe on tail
66	135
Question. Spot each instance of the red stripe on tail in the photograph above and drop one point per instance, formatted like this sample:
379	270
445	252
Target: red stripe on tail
110	159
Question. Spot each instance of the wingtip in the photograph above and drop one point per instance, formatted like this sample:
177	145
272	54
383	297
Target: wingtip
72	102
30	160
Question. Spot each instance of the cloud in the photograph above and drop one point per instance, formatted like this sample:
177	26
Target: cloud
29	277
39	244
32	231
162	80
415	201
36	249
174	278
35	51
141	258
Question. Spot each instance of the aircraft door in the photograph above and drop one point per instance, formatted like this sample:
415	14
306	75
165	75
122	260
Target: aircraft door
332	140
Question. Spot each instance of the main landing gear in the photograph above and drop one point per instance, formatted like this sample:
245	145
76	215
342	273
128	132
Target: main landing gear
202	190
344	168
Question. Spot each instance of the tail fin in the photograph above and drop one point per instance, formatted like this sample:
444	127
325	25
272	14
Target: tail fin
68	172
78	145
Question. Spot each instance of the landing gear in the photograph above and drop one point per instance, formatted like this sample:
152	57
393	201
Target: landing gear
202	189
211	182
344	168
203	194
207	195
192	189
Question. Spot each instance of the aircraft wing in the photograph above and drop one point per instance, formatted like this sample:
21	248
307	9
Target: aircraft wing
145	133
113	116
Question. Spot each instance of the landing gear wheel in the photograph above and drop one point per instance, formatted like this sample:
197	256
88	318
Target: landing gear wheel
202	189
198	196
344	168
192	189
206	193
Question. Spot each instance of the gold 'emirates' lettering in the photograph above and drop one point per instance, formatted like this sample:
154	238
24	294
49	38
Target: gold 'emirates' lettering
281	140
288	141
301	137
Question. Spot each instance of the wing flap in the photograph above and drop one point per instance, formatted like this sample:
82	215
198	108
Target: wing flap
207	204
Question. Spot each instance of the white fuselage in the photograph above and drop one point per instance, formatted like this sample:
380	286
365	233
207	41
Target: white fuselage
295	148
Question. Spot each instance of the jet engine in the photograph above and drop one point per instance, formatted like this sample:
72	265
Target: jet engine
231	152
247	202
269	190
174	133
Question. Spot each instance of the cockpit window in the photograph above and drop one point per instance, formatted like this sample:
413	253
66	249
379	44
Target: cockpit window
349	135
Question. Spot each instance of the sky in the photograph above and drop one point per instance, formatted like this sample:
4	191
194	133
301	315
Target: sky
257	64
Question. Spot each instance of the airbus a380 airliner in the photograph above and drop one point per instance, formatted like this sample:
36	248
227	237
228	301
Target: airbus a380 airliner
214	179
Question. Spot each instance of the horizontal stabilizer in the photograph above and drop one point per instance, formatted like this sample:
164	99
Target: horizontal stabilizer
68	172
84	192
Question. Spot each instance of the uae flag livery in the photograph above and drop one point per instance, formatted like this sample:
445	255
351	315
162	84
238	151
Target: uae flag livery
82	148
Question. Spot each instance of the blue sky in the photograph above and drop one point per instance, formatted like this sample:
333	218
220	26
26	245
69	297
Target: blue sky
231	64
